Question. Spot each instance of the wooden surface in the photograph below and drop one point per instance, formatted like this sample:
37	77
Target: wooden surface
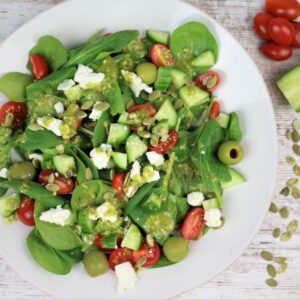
244	279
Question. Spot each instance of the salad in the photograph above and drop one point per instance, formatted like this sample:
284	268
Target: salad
121	151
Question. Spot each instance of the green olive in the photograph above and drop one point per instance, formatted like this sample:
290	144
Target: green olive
176	248
147	72
230	153
24	170
95	263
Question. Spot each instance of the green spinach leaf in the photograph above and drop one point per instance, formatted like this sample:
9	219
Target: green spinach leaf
100	131
117	105
163	262
234	132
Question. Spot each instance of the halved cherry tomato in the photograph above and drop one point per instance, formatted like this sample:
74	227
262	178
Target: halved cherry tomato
281	31
215	110
208	81
66	185
193	223
25	211
296	42
119	256
161	56
163	147
118	184
276	52
261	24
287	9
98	243
18	111
147	108
152	254
39	66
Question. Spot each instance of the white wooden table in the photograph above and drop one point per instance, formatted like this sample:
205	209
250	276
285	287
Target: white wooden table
244	279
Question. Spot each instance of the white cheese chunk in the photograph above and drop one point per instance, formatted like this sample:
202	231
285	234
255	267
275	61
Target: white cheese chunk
58	215
86	77
66	85
51	124
59	107
213	217
35	156
195	198
3	173
107	212
101	156
96	113
155	159
126	276
135	170
150	175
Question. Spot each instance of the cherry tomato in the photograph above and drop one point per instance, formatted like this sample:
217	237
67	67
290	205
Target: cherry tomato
149	110
281	31
98	243
287	9
261	24
161	56
25	211
66	185
163	147
18	111
215	110
118	184
152	254
276	52
193	223
208	81
39	66
119	256
296	42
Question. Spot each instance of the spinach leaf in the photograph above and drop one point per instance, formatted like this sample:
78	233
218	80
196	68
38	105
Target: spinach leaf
13	85
34	190
52	50
163	262
182	208
234	132
98	50
3	191
117	105
73	256
100	133
45	256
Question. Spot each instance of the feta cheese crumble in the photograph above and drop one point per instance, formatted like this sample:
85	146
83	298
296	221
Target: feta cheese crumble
135	170
101	156
155	159
66	85
213	217
126	276
87	78
3	173
95	114
58	215
150	175
59	107
195	198
51	124
36	156
107	212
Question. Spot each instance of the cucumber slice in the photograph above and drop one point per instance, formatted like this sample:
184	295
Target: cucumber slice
167	112
164	78
110	241
223	120
205	59
87	225
118	133
211	203
132	238
124	120
236	179
155	36
111	164
161	128
193	96
135	147
289	86
178	78
64	164
120	159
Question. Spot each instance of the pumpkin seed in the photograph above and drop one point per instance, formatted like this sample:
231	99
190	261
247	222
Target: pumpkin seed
295	192
154	95
148	121
149	240
291	182
291	160
284	212
178	104
296	124
88	174
60	148
35	127
266	255
273	208
271	270
126	179
295	136
276	232
129	104
280	259
51	178
144	134
271	282
140	263
101	106
8	119
282	268
154	140
70	173
52	187
296	149
132	116
296	170
87	105
288	134
286	236
285	191
293	226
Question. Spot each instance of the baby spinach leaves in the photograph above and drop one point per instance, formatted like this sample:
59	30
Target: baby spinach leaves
117	105
100	131
234	132
163	262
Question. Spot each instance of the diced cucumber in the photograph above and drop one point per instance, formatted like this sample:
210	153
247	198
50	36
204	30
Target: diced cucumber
153	203
223	120
118	133
135	147
178	78
87	225
161	128
110	241
155	36
132	238
124	120
120	159
64	164
211	203
290	87
164	78
167	112
205	59
193	96
111	164
9	205
236	179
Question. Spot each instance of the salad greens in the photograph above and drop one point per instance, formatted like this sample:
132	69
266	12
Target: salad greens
114	157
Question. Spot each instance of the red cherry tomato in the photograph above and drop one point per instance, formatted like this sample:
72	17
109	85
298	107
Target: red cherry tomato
281	31
287	9
152	254
296	42
208	81
98	243
276	52
193	224
215	110
261	24
161	56
119	256
66	185
118	184
149	110
163	147
25	211
39	66
18	111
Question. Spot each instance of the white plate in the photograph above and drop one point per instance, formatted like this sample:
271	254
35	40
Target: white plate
243	90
